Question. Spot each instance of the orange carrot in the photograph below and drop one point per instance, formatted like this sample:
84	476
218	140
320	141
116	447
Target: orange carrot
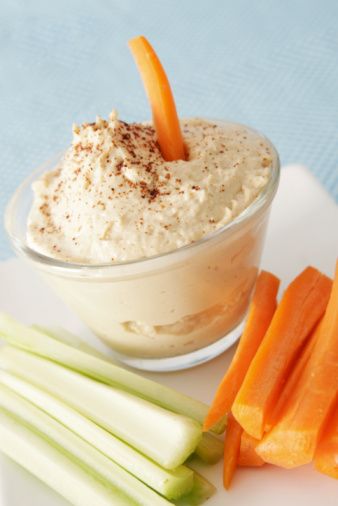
302	305
326	457
232	443
261	311
247	454
291	382
293	440
161	99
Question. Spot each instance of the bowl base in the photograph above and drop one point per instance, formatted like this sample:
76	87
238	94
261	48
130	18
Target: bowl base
186	361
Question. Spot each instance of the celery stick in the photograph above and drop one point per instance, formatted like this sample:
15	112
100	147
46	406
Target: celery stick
77	448
63	335
54	468
171	484
201	492
210	449
163	436
52	345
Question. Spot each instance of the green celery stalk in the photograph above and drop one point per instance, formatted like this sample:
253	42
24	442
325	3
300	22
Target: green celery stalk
171	484
163	436
76	447
210	449
54	468
63	335
200	493
66	349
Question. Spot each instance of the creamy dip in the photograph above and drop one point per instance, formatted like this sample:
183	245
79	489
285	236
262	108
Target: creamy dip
113	198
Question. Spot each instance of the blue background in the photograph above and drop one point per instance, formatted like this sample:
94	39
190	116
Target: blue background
269	63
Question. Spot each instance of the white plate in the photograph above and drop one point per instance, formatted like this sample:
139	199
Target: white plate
303	230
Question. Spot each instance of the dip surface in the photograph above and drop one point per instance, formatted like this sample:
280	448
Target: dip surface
113	198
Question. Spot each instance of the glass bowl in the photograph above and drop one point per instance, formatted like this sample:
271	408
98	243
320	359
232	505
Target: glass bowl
166	312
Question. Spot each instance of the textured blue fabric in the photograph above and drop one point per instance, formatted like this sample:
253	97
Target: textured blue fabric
269	63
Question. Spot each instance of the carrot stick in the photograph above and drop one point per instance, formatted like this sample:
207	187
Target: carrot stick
291	382
232	443
293	440
161	99
326	457
247	454
261	311
301	307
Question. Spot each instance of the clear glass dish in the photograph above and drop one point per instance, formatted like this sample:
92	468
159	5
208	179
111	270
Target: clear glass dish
167	312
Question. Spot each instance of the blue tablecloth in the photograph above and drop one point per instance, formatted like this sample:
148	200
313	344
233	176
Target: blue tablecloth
271	64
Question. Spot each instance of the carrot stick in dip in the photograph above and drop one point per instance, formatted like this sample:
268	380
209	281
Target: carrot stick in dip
301	307
161	99
261	311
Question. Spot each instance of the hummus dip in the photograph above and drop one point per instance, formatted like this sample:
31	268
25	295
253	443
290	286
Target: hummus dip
113	198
